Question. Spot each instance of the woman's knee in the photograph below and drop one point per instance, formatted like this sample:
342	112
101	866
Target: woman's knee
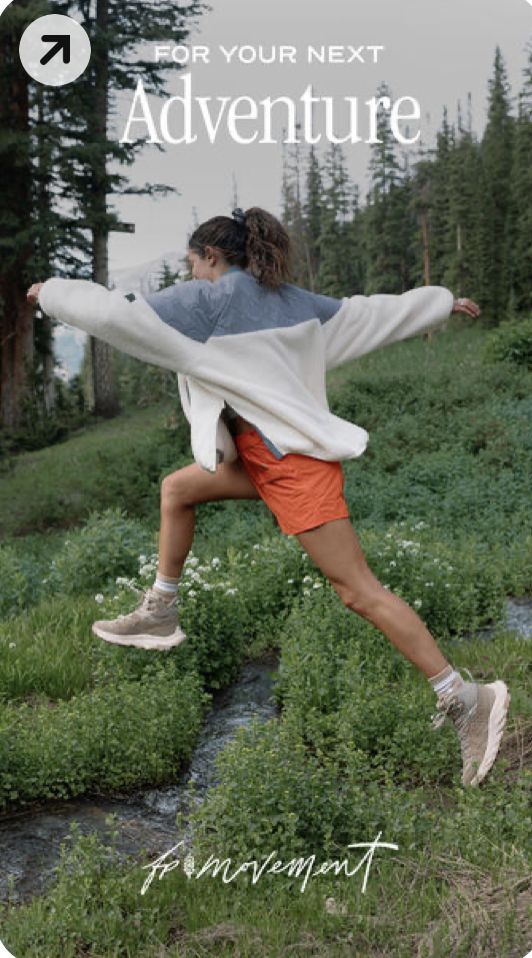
362	597
176	490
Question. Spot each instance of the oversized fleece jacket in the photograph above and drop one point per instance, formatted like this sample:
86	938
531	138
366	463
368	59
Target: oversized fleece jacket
265	353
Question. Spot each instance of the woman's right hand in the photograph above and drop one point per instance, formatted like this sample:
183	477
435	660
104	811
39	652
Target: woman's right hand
467	306
33	293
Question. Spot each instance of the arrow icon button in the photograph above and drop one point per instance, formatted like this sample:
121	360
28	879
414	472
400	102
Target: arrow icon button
54	50
61	43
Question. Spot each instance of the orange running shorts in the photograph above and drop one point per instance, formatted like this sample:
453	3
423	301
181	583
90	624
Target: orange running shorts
301	491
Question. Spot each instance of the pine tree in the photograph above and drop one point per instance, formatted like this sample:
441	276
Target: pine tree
168	276
335	276
438	190
496	154
116	29
312	212
292	215
520	253
54	143
384	256
462	262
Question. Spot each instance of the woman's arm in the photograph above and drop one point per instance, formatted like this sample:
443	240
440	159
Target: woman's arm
365	323
124	320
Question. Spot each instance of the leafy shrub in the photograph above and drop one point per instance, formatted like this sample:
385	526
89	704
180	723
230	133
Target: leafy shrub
225	605
352	694
454	590
106	546
318	637
115	736
272	795
512	342
275	794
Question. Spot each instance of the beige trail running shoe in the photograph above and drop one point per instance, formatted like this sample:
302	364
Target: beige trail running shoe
152	625
479	714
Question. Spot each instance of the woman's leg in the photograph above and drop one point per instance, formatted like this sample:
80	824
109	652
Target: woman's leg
180	492
336	550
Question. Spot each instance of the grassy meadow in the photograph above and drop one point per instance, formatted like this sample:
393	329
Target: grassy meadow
440	501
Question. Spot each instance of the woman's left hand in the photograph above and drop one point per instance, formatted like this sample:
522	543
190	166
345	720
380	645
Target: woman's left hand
33	293
467	306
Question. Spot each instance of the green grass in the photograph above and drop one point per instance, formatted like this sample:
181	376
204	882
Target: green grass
449	456
59	486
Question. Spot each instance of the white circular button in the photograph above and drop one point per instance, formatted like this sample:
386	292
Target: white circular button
55	50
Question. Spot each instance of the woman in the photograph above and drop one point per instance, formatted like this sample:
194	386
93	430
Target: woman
251	351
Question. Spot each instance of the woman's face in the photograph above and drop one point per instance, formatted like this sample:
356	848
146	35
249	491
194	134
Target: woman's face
203	267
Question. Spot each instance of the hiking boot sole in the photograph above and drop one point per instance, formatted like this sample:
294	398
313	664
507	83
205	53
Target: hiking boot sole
496	725
144	640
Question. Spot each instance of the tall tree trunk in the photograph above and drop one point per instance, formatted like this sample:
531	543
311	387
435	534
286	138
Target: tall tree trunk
44	343
16	314
104	390
16	330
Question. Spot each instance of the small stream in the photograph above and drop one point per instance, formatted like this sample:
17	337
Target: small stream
146	818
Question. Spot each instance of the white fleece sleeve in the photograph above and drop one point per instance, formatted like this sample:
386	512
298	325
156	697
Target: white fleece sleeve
364	323
125	321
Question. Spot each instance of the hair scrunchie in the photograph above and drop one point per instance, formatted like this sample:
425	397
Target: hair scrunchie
239	215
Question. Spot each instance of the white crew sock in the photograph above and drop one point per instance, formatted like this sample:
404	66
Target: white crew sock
444	679
166	586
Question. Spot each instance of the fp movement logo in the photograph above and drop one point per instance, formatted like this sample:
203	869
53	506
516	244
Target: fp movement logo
54	50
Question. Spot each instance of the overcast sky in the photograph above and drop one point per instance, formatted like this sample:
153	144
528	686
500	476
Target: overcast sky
434	51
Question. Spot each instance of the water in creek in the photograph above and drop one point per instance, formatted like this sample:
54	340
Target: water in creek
146	818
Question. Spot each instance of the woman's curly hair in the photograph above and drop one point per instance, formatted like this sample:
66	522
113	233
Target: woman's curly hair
254	240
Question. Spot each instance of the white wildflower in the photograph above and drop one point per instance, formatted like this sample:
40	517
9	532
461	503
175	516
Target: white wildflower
317	585
334	908
290	581
207	586
192	592
193	562
230	591
142	559
99	598
12	645
256	546
215	562
307	578
393	562
418	603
